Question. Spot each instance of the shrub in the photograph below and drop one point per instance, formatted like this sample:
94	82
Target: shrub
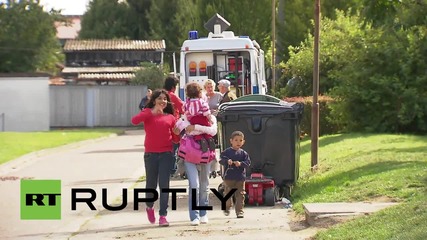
376	76
326	124
150	75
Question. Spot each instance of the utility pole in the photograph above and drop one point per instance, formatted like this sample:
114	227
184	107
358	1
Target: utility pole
315	106
273	49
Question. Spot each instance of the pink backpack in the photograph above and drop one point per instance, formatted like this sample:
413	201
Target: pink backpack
190	151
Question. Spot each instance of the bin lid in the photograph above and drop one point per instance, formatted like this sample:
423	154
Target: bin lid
260	108
258	97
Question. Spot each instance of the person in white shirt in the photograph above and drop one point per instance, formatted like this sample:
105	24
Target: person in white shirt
196	172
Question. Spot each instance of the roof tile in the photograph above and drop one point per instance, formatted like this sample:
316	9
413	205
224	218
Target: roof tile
100	69
106	76
116	44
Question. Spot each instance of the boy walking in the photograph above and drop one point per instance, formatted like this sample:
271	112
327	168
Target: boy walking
235	161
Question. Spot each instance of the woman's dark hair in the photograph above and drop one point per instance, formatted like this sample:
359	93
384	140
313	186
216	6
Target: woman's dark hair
170	83
193	90
156	93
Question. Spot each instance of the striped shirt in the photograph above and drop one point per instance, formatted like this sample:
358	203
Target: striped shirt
196	107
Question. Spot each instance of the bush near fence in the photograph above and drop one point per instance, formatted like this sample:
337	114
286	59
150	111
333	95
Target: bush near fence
326	124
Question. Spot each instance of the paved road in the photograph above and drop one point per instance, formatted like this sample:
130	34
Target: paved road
115	163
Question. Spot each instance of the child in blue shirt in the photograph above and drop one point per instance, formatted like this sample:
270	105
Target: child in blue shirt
235	161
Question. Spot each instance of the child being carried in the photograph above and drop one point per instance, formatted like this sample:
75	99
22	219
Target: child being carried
197	112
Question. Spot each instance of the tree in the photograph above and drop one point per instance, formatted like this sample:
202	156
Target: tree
386	79
298	16
250	18
163	25
106	19
376	76
28	38
150	75
139	10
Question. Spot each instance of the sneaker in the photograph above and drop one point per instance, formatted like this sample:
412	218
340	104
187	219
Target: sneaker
163	222
195	222
150	214
204	145
176	176
226	212
204	219
211	143
240	215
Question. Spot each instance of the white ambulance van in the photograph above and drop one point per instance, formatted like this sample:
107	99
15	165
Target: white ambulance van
222	55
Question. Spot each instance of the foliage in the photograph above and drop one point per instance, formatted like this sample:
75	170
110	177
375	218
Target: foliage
107	19
388	90
150	75
326	124
170	20
382	12
294	20
368	167
374	90
139	10
28	38
236	13
339	38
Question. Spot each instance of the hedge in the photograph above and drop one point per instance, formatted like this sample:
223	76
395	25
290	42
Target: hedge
326	124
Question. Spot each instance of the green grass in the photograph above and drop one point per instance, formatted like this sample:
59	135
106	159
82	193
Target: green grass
366	167
16	144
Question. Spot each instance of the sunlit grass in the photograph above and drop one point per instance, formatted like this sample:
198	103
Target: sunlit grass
16	144
362	167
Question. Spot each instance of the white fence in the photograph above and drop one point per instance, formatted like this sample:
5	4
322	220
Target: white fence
2	117
24	102
94	106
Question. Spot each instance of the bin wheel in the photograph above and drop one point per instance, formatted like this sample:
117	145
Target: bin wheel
287	190
269	197
278	193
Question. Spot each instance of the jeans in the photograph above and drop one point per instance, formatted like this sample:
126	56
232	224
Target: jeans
200	181
157	169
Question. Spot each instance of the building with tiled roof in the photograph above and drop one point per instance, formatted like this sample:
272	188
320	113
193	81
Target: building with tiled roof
116	44
109	61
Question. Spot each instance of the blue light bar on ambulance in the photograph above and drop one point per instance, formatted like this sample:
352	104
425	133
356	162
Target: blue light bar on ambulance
193	35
